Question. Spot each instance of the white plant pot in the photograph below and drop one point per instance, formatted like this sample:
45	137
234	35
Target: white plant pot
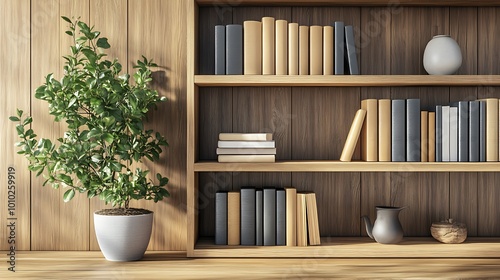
123	238
442	56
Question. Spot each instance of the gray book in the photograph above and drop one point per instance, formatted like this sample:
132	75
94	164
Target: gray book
463	131
259	217
453	133
269	216
439	133
474	131
220	50
398	133
280	217
247	212
234	49
339	48
446	133
482	130
413	130
351	51
221	218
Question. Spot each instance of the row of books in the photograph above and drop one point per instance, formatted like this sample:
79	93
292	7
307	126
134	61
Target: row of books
397	130
276	47
266	217
246	147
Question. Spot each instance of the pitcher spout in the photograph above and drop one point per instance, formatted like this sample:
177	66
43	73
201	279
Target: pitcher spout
368	225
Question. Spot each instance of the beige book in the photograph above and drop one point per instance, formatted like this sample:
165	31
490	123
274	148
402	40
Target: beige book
424	136
293	48
281	43
384	130
301	220
432	137
316	50
328	50
492	123
291	216
233	218
369	137
268	38
246	158
252	47
352	137
312	219
303	50
245	136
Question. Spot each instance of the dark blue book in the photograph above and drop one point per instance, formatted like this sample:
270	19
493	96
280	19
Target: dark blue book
221	218
398	133
247	229
234	49
259	217
413	129
351	51
339	47
269	216
220	50
280	217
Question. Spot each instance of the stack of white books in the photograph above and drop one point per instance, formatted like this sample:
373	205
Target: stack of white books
246	147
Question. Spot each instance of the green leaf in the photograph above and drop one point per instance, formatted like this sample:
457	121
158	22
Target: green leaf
68	195
103	43
14	119
69	33
65	178
108	138
19	113
66	19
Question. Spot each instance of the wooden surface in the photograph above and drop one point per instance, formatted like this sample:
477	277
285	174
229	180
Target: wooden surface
174	265
350	2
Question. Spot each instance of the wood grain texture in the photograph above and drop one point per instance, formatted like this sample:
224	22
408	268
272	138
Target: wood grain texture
15	91
488	39
241	14
208	18
348	3
464	29
488	206
375	41
464	200
375	191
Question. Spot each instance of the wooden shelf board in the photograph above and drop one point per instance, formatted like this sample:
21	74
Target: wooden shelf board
234	3
355	247
346	80
355	166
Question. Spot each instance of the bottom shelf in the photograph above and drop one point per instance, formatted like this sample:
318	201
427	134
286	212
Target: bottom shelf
357	247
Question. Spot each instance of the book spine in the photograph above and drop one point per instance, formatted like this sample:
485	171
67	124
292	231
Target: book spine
293	49
280	217
291	216
369	137
245	136
413	130
221	218
303	50
220	50
424	136
259	217
281	53
445	133
352	137
246	144
248	216
398	133
491	129
328	50
269	217
439	133
463	131
474	125
339	48
246	151
268	49
432	137
351	50
301	220
234	49
384	130
246	158
252	47
233	218
316	50
453	133
312	219
482	130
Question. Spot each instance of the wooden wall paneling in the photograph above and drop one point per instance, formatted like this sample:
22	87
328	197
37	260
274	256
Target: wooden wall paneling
109	17
488	207
166	45
464	29
209	184
241	14
326	15
15	92
405	193
337	197
374	46
375	191
464	200
488	39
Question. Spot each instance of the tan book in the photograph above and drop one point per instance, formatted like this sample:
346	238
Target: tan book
328	50
303	50
268	37
384	130
233	218
369	135
316	50
424	136
312	219
246	158
301	220
281	42
252	47
432	137
352	137
245	136
492	123
293	48
291	216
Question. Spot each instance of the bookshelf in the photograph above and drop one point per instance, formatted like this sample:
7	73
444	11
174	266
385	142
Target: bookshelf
322	107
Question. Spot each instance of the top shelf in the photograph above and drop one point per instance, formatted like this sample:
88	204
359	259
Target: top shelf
346	80
348	3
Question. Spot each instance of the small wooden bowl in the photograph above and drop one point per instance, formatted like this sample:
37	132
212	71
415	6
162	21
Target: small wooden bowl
449	233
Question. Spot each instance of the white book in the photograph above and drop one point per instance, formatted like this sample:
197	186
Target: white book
453	134
246	144
446	133
245	136
246	151
246	158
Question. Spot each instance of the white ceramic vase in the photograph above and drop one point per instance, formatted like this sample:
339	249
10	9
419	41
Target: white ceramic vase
442	56
123	238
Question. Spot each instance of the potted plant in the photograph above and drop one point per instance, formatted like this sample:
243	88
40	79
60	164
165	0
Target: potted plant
105	136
